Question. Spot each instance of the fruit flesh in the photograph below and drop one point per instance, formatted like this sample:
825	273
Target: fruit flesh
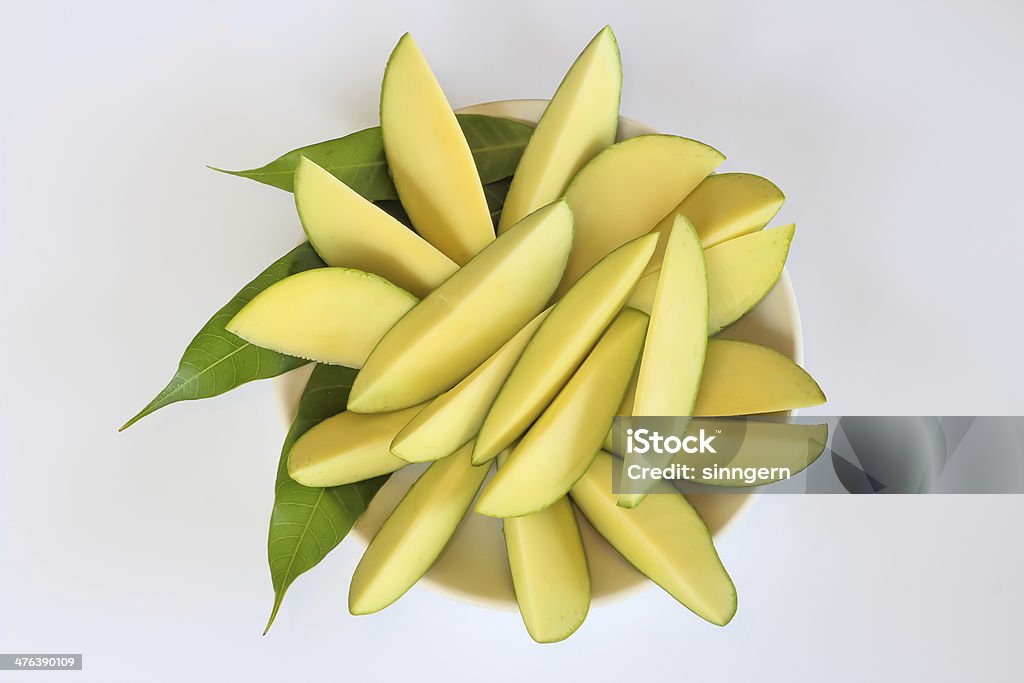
677	336
347	448
329	315
741	272
561	344
429	158
725	206
561	444
664	538
549	571
741	378
579	122
469	317
627	189
348	231
415	533
453	418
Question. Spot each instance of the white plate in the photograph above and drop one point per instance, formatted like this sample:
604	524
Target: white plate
474	567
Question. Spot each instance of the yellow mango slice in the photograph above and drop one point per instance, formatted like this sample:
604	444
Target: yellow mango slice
664	538
415	533
579	122
549	571
347	448
741	272
725	206
348	231
330	315
469	317
453	418
560	345
627	189
561	444
429	158
673	357
741	378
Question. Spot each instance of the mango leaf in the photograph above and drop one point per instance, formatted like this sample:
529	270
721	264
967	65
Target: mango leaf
216	360
307	523
495	194
358	159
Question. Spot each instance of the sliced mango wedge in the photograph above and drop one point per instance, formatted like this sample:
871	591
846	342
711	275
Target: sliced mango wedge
469	317
453	418
549	571
330	315
577	124
348	231
664	538
429	159
741	378
347	448
741	272
627	189
725	206
561	444
676	337
415	533
560	345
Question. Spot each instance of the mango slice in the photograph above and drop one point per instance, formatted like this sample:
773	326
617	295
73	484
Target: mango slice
330	315
549	571
579	122
453	418
664	538
429	159
348	231
469	317
415	533
725	206
347	448
561	444
627	189
560	345
741	272
677	337
741	378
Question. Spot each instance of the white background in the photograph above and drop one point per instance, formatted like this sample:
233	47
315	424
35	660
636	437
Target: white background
894	129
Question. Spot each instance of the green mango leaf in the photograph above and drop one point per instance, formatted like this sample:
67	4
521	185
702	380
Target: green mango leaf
216	360
495	194
358	159
307	523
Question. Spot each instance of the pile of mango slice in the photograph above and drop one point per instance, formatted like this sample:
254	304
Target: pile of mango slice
611	268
